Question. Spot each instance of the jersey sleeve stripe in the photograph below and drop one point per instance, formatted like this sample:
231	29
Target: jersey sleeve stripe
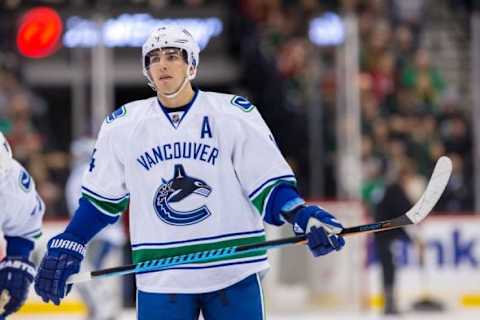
260	199
269	181
93	194
35	234
112	209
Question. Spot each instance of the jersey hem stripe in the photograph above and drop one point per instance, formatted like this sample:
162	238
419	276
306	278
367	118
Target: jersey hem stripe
141	255
210	266
147	244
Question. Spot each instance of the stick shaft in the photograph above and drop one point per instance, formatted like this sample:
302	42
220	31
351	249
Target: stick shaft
196	257
417	213
207	255
378	226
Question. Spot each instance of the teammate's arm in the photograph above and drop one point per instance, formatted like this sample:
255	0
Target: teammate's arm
21	226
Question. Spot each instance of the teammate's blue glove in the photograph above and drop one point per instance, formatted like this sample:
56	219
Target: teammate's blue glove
16	275
320	226
63	258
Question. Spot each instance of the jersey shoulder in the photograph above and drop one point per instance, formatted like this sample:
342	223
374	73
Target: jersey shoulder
229	103
19	179
235	109
128	114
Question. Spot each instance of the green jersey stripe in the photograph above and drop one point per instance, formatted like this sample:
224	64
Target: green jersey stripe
108	208
37	236
102	198
261	199
141	255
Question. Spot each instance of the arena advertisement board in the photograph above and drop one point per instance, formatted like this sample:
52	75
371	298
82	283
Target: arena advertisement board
350	279
449	274
298	281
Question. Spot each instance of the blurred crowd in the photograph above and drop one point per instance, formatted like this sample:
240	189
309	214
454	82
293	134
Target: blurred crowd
24	121
269	39
409	113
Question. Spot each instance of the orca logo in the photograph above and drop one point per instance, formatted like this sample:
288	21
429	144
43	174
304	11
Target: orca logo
25	181
176	190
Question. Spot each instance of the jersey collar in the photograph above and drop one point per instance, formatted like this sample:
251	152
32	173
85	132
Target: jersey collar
183	109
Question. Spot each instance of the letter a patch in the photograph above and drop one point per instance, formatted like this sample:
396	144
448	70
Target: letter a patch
206	128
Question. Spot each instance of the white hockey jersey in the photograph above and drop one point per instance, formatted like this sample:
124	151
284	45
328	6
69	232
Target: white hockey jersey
194	181
113	234
22	208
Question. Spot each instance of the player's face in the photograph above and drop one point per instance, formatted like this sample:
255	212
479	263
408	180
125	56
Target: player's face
167	69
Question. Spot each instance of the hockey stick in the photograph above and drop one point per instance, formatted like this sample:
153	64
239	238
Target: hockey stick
417	213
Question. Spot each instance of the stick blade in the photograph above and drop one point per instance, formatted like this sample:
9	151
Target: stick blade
436	186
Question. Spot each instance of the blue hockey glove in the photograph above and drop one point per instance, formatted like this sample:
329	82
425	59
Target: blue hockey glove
16	275
319	225
63	258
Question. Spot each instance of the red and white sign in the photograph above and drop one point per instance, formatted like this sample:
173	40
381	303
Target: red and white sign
39	32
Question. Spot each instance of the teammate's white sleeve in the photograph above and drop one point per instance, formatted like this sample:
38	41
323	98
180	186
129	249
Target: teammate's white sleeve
26	222
23	208
258	162
104	180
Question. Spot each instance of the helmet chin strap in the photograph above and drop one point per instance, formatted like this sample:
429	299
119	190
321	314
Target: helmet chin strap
184	83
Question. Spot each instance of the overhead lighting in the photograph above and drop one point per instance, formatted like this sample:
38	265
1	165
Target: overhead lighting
326	30
131	30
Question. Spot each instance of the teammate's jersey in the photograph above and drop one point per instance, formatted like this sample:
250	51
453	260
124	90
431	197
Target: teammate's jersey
22	208
194	181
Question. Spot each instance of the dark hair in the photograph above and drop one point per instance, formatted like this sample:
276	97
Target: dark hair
183	51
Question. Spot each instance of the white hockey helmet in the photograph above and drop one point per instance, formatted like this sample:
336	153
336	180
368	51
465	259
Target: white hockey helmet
5	156
171	36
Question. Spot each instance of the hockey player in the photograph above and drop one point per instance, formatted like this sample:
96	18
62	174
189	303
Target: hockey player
20	221
199	170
